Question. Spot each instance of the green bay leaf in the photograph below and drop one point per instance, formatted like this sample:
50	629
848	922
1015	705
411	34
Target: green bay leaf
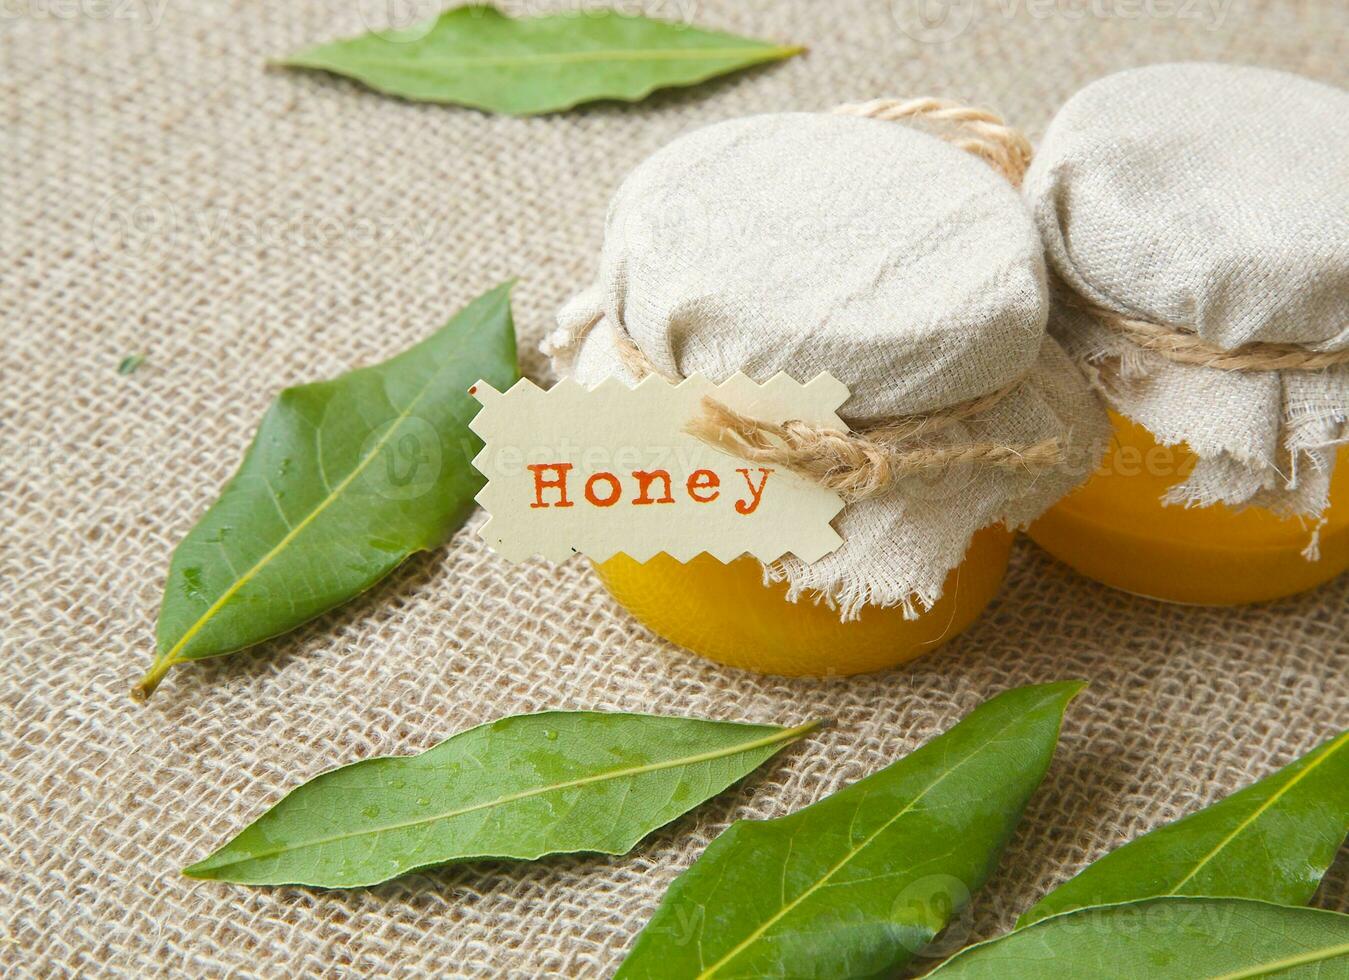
343	481
520	787
856	884
477	56
1175	938
1272	841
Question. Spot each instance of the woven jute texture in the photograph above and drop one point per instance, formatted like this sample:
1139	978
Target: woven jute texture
163	191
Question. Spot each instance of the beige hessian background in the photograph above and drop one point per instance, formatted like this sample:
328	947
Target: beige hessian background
163	191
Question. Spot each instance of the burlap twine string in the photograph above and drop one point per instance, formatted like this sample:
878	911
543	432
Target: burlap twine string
858	465
974	130
1185	347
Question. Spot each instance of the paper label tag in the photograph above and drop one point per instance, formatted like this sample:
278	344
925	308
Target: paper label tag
610	470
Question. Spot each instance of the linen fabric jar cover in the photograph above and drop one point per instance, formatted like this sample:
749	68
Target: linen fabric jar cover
1210	202
907	268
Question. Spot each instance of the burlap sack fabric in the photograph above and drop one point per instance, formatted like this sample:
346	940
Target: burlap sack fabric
903	266
1212	199
163	192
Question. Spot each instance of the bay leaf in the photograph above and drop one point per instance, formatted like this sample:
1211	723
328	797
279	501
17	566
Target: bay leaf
520	787
477	56
1176	938
1272	841
343	481
858	883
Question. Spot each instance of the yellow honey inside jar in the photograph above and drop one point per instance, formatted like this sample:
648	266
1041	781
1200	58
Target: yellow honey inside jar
1116	530
726	613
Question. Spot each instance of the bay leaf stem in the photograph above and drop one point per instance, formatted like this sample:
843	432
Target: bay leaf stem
150	680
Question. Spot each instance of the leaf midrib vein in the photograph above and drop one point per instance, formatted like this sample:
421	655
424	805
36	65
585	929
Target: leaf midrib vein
559	57
824	880
1265	969
784	735
1255	814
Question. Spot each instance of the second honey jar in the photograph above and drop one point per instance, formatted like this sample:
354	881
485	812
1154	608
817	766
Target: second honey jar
1196	222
